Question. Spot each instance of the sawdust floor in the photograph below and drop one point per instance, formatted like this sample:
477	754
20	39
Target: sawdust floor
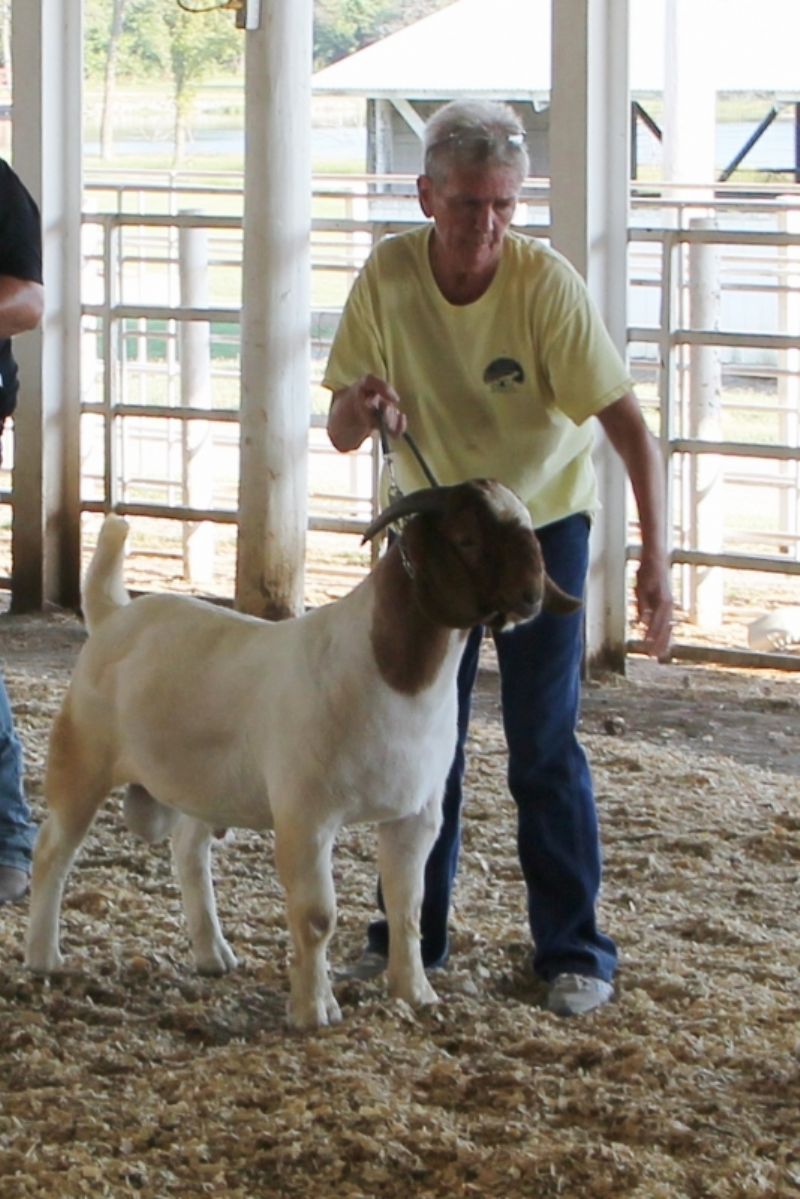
129	1076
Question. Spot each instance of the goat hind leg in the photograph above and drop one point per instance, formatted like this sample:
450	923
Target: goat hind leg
75	787
303	858
191	856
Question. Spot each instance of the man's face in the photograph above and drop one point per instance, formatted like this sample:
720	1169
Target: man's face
471	209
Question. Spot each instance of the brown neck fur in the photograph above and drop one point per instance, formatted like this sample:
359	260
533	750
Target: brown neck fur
409	646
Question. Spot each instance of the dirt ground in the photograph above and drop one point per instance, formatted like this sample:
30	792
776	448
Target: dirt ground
127	1075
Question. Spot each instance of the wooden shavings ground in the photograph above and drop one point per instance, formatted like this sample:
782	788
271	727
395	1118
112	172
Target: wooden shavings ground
129	1076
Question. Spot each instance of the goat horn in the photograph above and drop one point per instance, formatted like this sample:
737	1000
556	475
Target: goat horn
428	499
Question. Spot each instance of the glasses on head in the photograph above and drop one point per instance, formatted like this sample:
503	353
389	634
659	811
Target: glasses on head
479	139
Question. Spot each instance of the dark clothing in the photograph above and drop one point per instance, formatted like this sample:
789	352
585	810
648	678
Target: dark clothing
20	257
17	830
548	776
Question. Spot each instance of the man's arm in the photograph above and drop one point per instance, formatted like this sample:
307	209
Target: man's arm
636	446
356	410
21	305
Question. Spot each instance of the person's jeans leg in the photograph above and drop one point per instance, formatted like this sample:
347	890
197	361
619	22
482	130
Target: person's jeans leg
549	778
16	828
442	864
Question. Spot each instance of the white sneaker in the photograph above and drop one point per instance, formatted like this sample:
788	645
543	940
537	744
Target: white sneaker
13	884
577	994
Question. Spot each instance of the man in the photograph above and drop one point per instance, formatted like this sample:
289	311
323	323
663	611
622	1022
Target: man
21	307
485	345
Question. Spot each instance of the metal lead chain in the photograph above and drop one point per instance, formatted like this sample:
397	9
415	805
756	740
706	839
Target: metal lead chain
394	492
393	489
388	457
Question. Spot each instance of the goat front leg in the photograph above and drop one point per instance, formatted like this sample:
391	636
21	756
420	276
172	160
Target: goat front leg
191	855
403	849
303	857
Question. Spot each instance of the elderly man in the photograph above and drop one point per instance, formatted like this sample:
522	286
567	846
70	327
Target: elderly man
484	344
21	306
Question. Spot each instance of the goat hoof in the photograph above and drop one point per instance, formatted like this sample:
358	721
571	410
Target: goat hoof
420	994
220	960
334	1011
320	1013
43	964
428	996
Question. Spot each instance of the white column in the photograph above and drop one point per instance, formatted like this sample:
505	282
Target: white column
197	443
47	151
689	127
706	474
589	169
275	397
789	381
690	90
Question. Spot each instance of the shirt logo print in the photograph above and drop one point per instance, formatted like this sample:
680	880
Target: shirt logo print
504	374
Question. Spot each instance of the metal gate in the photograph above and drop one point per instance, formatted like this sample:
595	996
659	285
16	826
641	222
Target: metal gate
714	342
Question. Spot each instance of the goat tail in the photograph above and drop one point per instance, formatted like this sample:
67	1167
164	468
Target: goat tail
103	588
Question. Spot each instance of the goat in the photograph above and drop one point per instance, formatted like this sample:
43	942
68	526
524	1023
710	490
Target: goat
345	714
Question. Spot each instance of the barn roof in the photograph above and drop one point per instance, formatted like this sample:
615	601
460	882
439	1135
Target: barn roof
501	48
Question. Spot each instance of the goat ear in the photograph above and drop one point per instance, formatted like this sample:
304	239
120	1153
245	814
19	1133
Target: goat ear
428	499
557	601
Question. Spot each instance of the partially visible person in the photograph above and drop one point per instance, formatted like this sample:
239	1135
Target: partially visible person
484	344
21	307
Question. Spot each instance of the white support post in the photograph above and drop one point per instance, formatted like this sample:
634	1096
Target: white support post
197	446
47	56
705	423
690	93
689	125
589	168
789	382
276	385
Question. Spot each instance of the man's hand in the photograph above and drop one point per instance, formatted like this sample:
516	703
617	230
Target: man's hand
357	410
654	604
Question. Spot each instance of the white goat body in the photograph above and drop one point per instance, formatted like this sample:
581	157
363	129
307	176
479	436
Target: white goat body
345	714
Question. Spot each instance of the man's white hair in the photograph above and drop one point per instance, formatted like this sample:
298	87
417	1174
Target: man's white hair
474	133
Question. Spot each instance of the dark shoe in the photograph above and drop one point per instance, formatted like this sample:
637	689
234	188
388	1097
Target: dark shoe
13	884
575	994
369	965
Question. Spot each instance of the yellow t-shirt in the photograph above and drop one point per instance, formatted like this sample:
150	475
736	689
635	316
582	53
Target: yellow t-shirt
500	388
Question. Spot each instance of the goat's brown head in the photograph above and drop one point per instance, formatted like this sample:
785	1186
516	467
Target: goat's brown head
473	555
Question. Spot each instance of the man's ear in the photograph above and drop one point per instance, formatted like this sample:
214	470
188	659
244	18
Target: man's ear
424	187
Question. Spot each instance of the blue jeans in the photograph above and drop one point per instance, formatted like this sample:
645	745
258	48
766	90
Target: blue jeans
17	832
548	776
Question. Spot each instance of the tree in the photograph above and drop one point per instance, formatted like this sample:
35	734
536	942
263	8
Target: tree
107	113
143	39
343	26
198	43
